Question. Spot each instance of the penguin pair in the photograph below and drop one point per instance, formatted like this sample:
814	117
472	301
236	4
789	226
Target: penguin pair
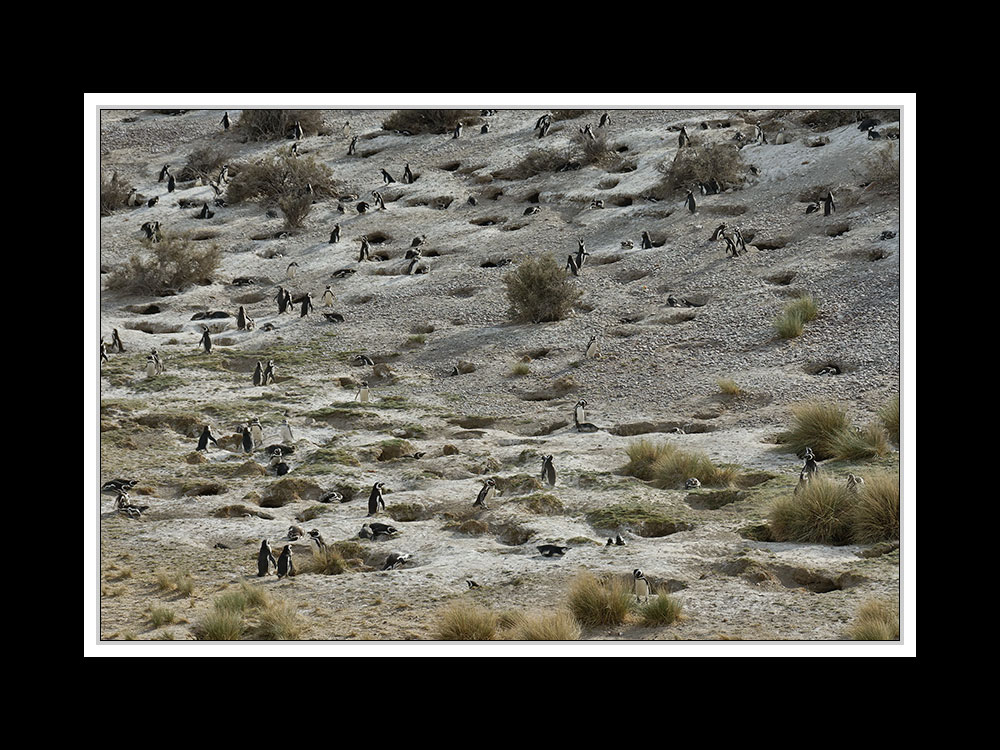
616	542
277	463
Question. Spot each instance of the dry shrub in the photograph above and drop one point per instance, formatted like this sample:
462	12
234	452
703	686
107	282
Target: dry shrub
883	168
545	626
875	516
569	114
205	163
877	620
539	291
820	513
594	603
281	176
114	191
419	121
827	119
464	621
857	445
275	124
597	150
295	209
175	262
691	165
538	161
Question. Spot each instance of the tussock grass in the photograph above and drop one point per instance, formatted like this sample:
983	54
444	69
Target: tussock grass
666	465
883	168
175	262
624	515
876	620
820	513
180	581
661	609
794	317
856	445
520	369
642	454
328	562
464	621
242	598
160	616
114	191
890	418
541	503
221	625
595	603
538	291
279	621
729	386
875	515
546	626
826	428
275	124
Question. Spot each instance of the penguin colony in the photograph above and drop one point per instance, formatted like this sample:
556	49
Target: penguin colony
251	432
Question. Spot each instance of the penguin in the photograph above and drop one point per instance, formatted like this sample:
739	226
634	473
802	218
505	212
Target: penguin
619	542
130	200
104	352
334	317
591	348
258	374
164	172
318	538
718	232
224	122
828	205
605	120
868	123
647	243
112	486
641	585
548	471
473	200
531	211
295	532
804	478
269	372
395	559
256	432
874	135
812	207
548	550
241	319
286	433
171	183
472	584
545	129
758	134
335	234
597	203
486	494
588	131
153	201
740	241
611	542
581	254
413	252
362	396
328	297
683	138
279	298
150	367
692	484
307	305
458	131
854	483
206	340
247	439
295	150
362	207
205	213
540	121
387	178
346	130
292	268
285	565
811	467
571	265
382	529
287	301
731	248
265	559
352	149
378	200
298	132
413	265
366	532
156	358
375	499
579	411
407	174
690	203
364	359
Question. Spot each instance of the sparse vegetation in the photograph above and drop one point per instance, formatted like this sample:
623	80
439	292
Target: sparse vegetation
539	291
876	620
174	263
819	513
595	603
721	161
275	124
180	581
890	418
221	625
827	430
794	317
417	121
729	386
295	209
114	191
280	177
537	161
279	621
464	621
661	609
328	562
204	163
667	466
545	626
160	616
520	369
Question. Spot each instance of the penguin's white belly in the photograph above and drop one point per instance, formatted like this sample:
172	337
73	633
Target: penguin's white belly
150	370
258	436
328	300
641	588
286	435
364	396
592	350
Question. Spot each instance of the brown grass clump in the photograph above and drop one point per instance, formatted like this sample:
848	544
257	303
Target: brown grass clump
204	163
642	455
876	620
794	317
662	609
692	165
594	603
822	120
464	621
875	515
279	621
295	209
820	513
826	428
857	445
275	124
329	562
114	191
890	418
280	177
666	465
538	161
221	625
545	626
180	581
175	263
729	387
418	121
539	291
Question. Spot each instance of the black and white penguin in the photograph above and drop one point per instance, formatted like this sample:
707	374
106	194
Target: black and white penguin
256	432
387	178
605	120
375	500
854	483
647	243
690	202
297	131
279	299
295	150
484	129
531	211
258	374
335	234
269	372
364	359
113	486
156	359
382	530
362	207
683	139
581	254
205	213
580	411
811	467
224	122
548	471
285	565
812	207
164	172
328	297
641	585
413	252
486	494
352	149
247	439
413	267
379	202
591	348
828	205
318	538
407	174
206	340
458	131
241	319
874	135
265	559
153	201
104	352
150	367
472	584
395	560
619	542
611	542
291	270
307	305
366	532
362	396
286	433
548	550
718	232
572	266
171	183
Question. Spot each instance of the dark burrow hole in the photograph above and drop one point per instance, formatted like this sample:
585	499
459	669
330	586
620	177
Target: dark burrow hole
782	279
451	166
488	221
621	201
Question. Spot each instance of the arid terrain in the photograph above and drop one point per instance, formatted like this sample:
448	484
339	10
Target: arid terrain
481	395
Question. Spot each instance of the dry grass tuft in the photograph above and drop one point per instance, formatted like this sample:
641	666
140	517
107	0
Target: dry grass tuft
329	561
539	291
594	603
826	428
877	620
796	314
180	581
666	465
295	209
221	625
890	418
729	387
204	163
662	609
546	626
175	263
819	513
279	621
464	621
875	515
114	192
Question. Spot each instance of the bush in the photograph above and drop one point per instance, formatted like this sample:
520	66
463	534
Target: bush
175	262
827	119
464	621
279	177
419	121
597	150
275	124
883	168
547	626
890	418
295	209
539	291
857	445
279	621
114	191
161	616
875	516
662	609
721	161
328	561
538	161
820	512
796	314
729	387
826	428
594	603
642	455
666	465
205	163
876	620
221	625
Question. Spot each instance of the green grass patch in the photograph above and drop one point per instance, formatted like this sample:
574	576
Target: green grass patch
541	503
796	314
661	609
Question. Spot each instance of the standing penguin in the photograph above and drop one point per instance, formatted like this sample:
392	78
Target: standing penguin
365	251
116	341
258	374
375	499
581	254
241	319
690	203
647	243
206	340
592	347
335	234
548	471
284	565
206	436
225	121
286	432
605	120
247	439
572	266
328	297
828	205
265	559
682	139
150	366
580	411
307	305
256	432
292	268
269	372
362	395
104	352
486	494
811	467
458	131
387	178
171	183
164	172
407	174
279	298
298	132
318	538
641	585
352	149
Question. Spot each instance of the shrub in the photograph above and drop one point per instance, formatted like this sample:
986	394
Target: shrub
279	621
876	620
642	455
662	609
275	124
464	621
882	168
221	625
547	626
816	426
690	166
828	119
205	163
279	177
875	515
596	150
539	291
729	387
114	191
175	262
295	209
538	161
857	445
820	512
419	121
890	418
594	603
794	317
